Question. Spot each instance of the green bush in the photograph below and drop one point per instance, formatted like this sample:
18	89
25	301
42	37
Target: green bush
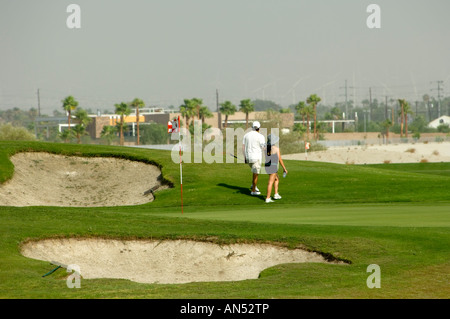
443	128
153	134
11	133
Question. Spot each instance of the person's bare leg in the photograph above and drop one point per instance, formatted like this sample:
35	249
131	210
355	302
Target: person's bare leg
275	183
269	185
254	181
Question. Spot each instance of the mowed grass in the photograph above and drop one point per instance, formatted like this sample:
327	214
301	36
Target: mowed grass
398	215
393	216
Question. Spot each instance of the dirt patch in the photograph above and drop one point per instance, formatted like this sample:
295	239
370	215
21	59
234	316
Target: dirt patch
42	179
378	154
165	262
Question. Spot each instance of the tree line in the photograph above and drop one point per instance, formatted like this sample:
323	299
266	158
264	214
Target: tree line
401	116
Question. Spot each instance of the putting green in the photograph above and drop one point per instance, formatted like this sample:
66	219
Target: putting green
398	215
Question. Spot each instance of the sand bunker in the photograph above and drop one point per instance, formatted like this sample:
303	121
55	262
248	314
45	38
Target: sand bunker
379	154
169	261
42	179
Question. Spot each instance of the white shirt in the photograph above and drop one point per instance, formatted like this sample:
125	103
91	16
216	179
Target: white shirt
254	142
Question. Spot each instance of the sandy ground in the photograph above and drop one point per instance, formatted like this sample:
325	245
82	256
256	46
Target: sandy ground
379	154
42	179
165	262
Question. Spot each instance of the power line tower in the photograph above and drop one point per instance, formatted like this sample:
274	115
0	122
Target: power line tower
439	89
219	115
346	87
346	99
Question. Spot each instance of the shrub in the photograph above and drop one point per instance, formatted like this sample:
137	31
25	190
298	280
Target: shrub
154	134
11	133
443	128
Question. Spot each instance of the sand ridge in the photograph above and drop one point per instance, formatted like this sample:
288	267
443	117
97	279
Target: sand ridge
43	179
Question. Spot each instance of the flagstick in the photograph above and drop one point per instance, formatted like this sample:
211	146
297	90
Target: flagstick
181	181
181	167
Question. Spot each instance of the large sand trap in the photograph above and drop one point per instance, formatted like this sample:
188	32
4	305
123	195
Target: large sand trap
379	154
42	179
168	261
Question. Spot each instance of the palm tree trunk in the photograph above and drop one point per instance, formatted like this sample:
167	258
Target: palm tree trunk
315	123
406	124
307	126
137	124
68	119
401	124
246	120
226	121
121	131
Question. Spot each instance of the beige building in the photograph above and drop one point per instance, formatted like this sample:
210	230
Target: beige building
287	119
160	116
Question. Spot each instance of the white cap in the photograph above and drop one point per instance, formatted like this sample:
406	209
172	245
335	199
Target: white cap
256	124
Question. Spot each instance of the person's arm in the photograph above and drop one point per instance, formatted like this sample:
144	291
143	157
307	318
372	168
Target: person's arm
281	160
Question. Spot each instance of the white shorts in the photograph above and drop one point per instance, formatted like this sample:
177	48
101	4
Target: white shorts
256	167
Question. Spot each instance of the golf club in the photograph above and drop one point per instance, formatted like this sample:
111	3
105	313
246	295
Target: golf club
239	158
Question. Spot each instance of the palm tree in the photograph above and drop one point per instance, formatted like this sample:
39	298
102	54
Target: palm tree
83	120
65	135
227	108
204	112
196	105
387	124
313	100
79	130
246	106
109	133
69	104
308	111
187	110
406	111
300	108
137	104
123	110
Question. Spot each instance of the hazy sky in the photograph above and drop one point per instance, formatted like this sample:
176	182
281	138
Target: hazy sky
166	50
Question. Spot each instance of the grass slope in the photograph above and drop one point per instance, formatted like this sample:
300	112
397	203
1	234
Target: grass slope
396	218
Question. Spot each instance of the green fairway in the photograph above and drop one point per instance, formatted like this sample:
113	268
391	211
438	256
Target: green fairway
395	216
403	215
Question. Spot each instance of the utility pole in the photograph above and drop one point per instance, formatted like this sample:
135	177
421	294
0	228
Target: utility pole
39	103
386	109
219	116
439	90
370	103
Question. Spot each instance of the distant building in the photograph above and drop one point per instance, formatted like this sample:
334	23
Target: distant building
439	121
147	116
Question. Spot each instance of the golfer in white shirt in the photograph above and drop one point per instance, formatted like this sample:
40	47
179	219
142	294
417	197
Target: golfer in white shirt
252	145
